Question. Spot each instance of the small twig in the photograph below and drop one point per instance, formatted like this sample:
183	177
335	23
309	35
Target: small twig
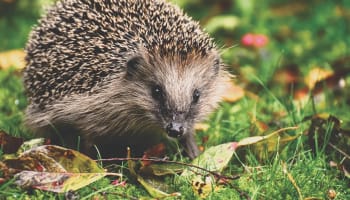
174	162
339	150
291	179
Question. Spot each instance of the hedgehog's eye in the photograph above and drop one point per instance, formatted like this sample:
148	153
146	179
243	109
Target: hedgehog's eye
157	92
195	96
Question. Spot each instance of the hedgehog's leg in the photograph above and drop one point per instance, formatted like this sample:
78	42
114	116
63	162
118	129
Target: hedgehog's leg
189	143
50	124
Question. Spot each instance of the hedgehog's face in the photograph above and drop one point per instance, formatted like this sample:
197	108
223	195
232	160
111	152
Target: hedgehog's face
176	94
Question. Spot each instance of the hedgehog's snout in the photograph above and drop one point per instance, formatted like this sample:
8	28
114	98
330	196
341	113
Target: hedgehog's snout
175	129
175	126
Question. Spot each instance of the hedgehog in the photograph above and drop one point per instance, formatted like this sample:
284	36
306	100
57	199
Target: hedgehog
113	74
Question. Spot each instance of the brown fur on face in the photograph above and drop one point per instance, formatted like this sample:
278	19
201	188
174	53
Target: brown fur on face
125	109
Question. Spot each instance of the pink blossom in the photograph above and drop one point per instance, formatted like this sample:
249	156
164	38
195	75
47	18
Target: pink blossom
248	39
260	40
255	40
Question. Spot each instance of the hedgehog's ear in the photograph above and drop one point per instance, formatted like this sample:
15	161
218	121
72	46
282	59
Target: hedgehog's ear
216	66
133	65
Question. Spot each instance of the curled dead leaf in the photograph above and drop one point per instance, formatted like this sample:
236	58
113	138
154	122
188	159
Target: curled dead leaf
53	168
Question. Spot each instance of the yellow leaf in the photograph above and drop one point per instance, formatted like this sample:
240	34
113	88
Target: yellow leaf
55	168
13	58
80	180
58	182
154	186
315	75
203	188
70	160
151	186
201	127
233	92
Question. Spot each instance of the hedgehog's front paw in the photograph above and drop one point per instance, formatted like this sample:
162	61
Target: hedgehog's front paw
190	146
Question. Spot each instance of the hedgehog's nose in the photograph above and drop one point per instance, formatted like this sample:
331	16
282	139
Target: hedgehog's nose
175	129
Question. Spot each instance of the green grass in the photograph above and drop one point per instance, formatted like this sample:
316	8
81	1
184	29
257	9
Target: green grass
13	102
315	36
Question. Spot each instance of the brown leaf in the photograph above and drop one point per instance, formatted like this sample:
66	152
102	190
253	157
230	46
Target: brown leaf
155	151
36	161
261	126
9	144
287	75
301	94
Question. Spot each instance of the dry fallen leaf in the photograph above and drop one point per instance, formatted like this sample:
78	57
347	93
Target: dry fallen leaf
155	151
233	92
13	58
213	159
54	168
57	182
154	186
315	75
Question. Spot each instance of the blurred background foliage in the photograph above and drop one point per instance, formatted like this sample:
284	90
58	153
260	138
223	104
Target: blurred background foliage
16	20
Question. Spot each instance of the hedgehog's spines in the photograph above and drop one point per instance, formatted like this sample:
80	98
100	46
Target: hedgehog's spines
82	44
92	67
